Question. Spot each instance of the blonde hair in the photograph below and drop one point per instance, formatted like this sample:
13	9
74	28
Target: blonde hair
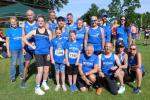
13	18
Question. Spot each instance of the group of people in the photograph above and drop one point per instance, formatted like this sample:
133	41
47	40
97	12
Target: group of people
85	54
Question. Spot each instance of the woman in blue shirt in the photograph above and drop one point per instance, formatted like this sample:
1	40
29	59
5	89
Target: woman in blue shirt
42	53
14	47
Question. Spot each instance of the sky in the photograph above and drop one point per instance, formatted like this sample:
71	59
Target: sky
79	7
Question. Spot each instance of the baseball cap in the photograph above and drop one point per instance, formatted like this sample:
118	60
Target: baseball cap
60	18
120	44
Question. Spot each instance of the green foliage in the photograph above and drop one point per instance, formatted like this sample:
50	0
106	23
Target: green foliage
118	8
146	19
51	4
93	11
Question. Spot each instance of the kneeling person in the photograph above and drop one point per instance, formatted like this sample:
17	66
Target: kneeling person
88	66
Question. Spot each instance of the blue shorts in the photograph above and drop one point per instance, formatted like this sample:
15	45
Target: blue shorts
59	67
29	55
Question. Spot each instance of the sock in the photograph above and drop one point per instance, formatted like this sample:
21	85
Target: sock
37	85
44	82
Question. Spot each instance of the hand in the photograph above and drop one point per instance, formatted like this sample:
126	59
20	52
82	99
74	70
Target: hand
76	64
88	82
24	51
48	57
33	47
67	63
114	68
101	74
52	61
8	54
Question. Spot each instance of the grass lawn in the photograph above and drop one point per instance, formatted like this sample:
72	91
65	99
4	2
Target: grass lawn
12	91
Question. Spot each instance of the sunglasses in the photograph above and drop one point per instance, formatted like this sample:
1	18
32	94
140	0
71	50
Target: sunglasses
93	20
132	48
123	20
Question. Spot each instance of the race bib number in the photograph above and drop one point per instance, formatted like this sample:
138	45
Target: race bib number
73	55
59	52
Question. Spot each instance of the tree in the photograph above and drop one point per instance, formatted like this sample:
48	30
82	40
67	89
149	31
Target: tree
124	7
51	4
93	11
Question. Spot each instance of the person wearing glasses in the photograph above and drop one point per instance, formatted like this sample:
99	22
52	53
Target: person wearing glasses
95	36
123	57
122	32
135	67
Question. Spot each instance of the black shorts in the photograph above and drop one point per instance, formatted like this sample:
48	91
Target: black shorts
132	76
41	60
146	36
72	69
29	55
81	83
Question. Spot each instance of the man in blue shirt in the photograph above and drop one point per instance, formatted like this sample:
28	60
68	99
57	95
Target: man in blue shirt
88	66
70	23
109	71
28	52
51	25
107	28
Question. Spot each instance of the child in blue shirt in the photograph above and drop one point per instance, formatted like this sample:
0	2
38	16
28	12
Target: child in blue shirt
58	58
72	55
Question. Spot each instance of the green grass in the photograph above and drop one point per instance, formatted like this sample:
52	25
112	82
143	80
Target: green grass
12	91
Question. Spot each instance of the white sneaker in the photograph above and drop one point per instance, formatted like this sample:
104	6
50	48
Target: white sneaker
45	86
64	88
57	88
38	91
121	90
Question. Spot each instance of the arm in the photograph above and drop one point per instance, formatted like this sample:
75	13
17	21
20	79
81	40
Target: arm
125	61
103	37
25	38
101	74
77	62
95	70
81	73
85	39
66	58
51	53
7	46
23	44
118	62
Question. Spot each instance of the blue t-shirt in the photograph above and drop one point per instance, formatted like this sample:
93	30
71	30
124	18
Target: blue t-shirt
65	34
58	45
73	50
28	28
42	42
88	62
107	64
52	26
80	36
95	38
15	38
72	27
121	33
